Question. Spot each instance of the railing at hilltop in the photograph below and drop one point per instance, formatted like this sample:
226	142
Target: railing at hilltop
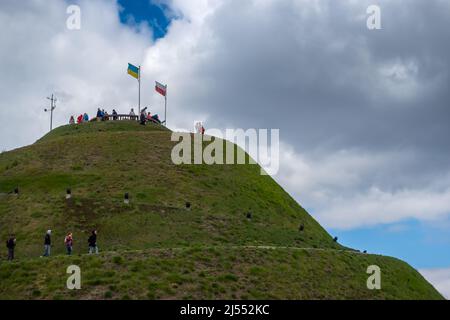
124	117
121	117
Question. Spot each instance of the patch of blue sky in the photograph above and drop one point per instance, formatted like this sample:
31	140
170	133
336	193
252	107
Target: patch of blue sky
146	11
421	244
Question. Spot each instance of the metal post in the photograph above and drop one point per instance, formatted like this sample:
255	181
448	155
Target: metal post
165	108
139	107
52	107
51	119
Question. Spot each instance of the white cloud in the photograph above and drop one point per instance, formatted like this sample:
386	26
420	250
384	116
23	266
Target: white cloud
85	68
341	188
440	279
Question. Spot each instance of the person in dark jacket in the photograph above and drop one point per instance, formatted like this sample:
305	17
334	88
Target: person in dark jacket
99	114
92	241
114	114
11	244
143	118
47	243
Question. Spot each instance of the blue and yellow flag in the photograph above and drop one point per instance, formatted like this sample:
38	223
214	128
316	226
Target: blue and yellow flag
133	71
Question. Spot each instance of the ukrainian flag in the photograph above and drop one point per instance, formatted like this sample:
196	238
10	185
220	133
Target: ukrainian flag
133	71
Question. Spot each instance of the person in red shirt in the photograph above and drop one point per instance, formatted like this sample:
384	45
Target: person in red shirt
68	241
80	119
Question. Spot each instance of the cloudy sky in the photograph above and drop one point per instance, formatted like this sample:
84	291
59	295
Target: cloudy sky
363	114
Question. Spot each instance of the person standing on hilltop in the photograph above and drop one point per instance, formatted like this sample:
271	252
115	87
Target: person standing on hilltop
92	241
198	127
85	117
72	120
99	114
143	118
47	243
68	241
114	114
11	244
80	119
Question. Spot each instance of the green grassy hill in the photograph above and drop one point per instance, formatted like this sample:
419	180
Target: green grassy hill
155	247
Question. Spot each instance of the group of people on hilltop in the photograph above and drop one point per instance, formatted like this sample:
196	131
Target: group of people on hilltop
68	243
103	115
147	117
200	129
80	119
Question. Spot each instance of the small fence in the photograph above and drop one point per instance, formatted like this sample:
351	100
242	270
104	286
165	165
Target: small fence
121	117
124	117
117	117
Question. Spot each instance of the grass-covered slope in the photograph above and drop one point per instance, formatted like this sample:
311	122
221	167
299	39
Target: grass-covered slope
102	161
214	273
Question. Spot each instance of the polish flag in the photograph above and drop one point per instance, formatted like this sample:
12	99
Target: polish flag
161	89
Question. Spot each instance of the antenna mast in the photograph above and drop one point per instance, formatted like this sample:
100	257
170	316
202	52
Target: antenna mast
52	107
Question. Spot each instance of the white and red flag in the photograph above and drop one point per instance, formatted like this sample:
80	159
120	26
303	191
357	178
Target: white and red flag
161	89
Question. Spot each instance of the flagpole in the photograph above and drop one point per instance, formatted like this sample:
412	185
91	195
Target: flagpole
165	107
139	80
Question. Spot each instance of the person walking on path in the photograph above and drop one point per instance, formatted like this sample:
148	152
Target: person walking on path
68	241
11	244
47	243
93	242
